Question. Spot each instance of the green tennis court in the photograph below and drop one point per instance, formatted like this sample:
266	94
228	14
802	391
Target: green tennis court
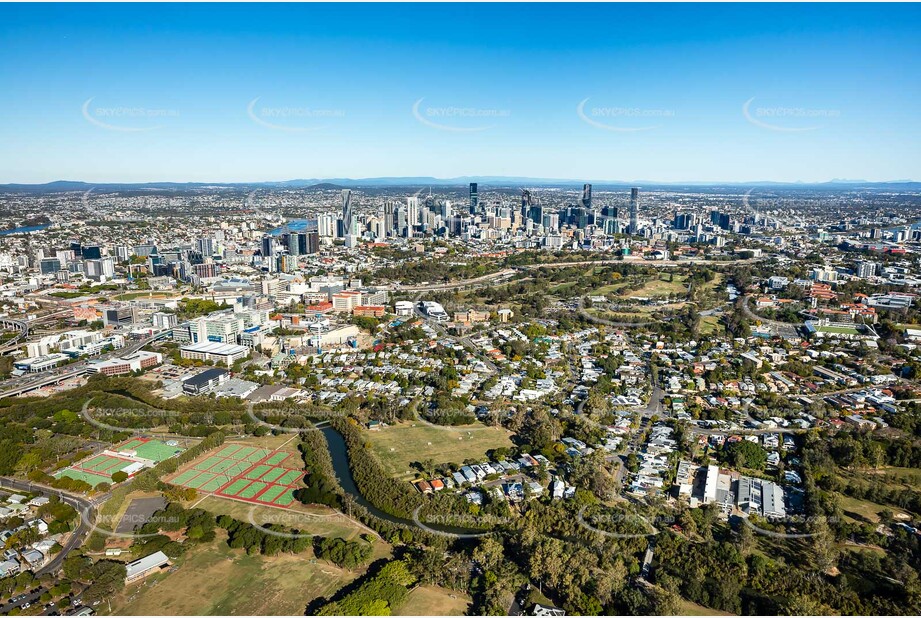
228	450
185	477
80	475
257	456
130	445
272	492
252	490
201	479
272	475
237	469
222	465
215	483
209	463
244	452
257	472
113	465
236	487
286	498
93	461
244	472
276	459
289	477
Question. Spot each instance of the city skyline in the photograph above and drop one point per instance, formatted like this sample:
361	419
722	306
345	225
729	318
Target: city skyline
728	94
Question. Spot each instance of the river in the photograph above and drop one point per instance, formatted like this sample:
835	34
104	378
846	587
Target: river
20	230
340	456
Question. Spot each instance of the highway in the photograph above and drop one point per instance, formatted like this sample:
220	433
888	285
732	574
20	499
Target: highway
19	325
15	387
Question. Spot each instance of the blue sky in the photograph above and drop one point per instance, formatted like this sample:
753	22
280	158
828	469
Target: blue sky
618	92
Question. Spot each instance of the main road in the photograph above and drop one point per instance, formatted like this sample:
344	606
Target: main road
86	510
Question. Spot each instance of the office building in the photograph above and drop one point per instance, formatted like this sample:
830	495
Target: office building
347	215
587	197
634	210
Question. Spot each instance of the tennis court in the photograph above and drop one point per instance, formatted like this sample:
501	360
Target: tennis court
244	473
88	477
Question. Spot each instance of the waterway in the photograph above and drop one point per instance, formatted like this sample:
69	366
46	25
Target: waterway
340	456
20	230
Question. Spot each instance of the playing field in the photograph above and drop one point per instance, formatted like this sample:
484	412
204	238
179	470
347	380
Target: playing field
245	473
92	479
96	469
400	444
145	448
100	468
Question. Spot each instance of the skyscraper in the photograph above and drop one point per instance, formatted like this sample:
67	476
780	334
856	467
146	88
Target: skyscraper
474	199
634	210
525	203
587	197
388	218
205	246
412	211
293	246
268	245
346	212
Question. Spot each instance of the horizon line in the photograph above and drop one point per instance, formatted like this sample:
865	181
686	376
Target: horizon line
465	179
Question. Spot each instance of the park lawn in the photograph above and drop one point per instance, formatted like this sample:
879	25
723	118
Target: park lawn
434	601
657	286
690	608
864	508
710	325
398	445
214	579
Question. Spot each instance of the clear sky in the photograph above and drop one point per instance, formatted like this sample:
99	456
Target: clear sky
605	92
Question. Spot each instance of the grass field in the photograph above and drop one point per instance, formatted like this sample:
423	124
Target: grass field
655	286
689	608
864	508
216	580
434	601
710	325
401	444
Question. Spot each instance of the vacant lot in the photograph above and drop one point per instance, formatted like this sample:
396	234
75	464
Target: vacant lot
399	445
435	601
216	580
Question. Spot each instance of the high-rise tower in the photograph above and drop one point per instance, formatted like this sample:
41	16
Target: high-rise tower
634	210
587	197
347	223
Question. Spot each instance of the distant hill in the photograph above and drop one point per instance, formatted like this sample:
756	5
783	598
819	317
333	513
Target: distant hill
322	184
